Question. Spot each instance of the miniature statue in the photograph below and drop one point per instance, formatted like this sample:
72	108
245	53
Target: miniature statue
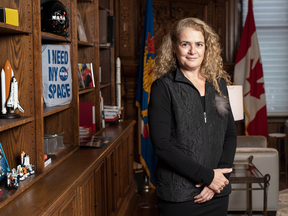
12	179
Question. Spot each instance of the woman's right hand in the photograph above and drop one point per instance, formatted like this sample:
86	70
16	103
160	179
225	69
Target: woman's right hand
219	180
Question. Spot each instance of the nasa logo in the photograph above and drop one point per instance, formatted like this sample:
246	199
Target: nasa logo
58	18
63	73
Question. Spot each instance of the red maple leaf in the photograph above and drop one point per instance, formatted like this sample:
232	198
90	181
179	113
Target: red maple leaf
150	43
256	89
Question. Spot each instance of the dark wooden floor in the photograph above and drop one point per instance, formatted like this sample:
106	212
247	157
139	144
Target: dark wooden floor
147	201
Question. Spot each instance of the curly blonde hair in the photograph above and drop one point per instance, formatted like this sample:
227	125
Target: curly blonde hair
212	65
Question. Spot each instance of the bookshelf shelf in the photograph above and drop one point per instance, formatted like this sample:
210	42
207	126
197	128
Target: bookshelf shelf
57	159
6	124
45	36
84	91
10	29
47	111
101	7
85	44
105	85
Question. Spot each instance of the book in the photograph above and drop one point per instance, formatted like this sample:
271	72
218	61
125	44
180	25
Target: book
96	141
47	162
80	80
86	114
111	118
84	130
86	70
3	163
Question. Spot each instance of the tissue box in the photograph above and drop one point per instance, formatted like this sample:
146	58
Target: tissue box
53	143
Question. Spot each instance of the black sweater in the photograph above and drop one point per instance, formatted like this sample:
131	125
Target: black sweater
160	113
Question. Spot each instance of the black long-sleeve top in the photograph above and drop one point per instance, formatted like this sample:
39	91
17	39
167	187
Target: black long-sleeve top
160	130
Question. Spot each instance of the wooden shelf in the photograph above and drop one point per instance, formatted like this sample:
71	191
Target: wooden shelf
104	47
89	1
47	111
9	195
85	44
10	29
87	90
57	159
105	85
101	7
53	37
6	124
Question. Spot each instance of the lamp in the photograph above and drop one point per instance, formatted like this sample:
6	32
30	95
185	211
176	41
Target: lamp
236	101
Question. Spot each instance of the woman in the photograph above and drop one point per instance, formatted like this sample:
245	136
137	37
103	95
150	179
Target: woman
191	124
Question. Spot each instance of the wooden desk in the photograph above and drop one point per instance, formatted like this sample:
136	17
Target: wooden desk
244	172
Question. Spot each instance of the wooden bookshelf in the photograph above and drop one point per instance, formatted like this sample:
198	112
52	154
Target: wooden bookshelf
21	45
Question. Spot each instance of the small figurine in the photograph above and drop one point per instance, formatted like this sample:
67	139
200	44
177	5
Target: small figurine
30	170
1	171
20	173
12	180
26	166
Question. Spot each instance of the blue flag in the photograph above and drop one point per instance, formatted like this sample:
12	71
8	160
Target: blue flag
145	79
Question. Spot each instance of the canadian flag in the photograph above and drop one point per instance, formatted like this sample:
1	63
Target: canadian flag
249	73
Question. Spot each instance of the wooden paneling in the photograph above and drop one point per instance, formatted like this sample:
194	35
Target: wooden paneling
100	190
86	197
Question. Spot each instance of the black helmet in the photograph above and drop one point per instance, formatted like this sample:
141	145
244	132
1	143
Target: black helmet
54	17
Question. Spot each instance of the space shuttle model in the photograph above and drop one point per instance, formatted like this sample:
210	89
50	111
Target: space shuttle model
12	101
9	92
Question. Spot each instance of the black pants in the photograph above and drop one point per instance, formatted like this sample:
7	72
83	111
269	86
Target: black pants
214	207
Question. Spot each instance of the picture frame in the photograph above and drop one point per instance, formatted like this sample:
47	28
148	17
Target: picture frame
85	70
80	28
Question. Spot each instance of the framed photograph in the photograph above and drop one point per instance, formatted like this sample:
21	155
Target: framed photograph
86	70
80	28
96	141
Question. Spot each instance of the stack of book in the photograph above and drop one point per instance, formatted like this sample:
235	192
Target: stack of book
84	130
111	113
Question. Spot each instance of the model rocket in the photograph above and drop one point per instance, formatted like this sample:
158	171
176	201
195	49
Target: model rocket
8	76
12	101
3	93
118	83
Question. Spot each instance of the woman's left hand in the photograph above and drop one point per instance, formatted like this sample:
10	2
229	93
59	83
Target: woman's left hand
205	195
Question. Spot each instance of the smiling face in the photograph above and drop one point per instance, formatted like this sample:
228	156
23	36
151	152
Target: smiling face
190	50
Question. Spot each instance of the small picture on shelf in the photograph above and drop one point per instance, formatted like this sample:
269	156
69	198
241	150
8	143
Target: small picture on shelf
96	141
80	79
80	27
86	70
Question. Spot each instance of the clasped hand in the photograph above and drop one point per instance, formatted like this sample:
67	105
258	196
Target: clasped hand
216	186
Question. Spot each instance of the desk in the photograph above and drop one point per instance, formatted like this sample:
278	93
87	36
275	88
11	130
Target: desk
244	172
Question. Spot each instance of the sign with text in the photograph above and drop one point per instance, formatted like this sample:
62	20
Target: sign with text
56	75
